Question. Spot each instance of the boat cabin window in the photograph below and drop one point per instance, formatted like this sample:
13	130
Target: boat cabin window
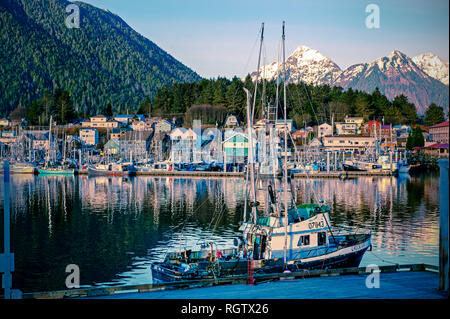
321	238
303	241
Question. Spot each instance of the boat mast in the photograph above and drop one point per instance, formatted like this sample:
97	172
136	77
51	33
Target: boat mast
285	152
250	163
257	72
49	141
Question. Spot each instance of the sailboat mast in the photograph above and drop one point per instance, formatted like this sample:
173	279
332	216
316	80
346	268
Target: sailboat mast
285	151
49	141
250	163
257	72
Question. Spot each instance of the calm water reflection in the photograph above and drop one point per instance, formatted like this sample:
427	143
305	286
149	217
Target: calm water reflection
113	227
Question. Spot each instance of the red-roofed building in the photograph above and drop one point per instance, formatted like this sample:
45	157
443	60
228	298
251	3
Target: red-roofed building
439	133
437	150
370	127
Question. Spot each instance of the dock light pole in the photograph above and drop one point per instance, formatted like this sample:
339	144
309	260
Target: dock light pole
7	258
443	225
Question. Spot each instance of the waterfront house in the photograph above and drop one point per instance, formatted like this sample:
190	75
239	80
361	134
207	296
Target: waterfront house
324	129
386	132
39	139
8	137
89	136
232	121
134	144
235	148
100	121
439	133
185	145
300	136
437	150
141	125
279	125
162	125
5	122
371	128
127	119
350	126
118	132
348	143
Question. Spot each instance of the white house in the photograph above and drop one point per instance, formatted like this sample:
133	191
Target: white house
100	121
89	136
232	121
351	125
138	125
186	145
348	143
324	129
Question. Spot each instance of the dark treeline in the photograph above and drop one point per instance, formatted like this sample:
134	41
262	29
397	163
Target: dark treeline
211	100
306	104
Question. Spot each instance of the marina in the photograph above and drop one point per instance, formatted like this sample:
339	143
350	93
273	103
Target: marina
262	187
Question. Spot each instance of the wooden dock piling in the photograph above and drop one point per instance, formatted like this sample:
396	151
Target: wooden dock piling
443	226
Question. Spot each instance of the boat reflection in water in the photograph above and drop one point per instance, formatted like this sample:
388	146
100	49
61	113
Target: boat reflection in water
114	227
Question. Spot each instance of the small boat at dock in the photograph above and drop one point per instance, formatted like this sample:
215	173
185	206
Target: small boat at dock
112	169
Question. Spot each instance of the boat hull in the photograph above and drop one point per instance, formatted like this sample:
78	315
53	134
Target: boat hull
347	257
22	170
352	168
56	171
93	171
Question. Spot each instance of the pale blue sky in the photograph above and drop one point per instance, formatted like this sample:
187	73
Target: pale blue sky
219	37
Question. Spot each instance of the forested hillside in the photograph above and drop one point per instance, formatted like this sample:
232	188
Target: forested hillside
103	61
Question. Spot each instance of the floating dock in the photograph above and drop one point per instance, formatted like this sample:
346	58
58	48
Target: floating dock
414	281
321	174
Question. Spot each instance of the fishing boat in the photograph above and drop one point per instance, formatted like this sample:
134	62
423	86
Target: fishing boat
387	164
285	237
112	169
56	170
154	167
361	166
23	168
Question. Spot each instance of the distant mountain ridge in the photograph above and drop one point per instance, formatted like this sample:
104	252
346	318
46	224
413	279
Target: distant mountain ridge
433	65
423	82
104	61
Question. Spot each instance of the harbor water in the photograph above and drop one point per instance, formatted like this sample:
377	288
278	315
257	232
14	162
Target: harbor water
112	228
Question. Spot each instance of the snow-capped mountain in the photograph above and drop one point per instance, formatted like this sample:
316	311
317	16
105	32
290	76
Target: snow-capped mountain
396	74
433	65
306	64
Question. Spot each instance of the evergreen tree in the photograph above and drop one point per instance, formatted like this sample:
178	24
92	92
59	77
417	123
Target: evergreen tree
434	115
108	110
145	107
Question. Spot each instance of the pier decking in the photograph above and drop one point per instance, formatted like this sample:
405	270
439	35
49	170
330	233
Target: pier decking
417	281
